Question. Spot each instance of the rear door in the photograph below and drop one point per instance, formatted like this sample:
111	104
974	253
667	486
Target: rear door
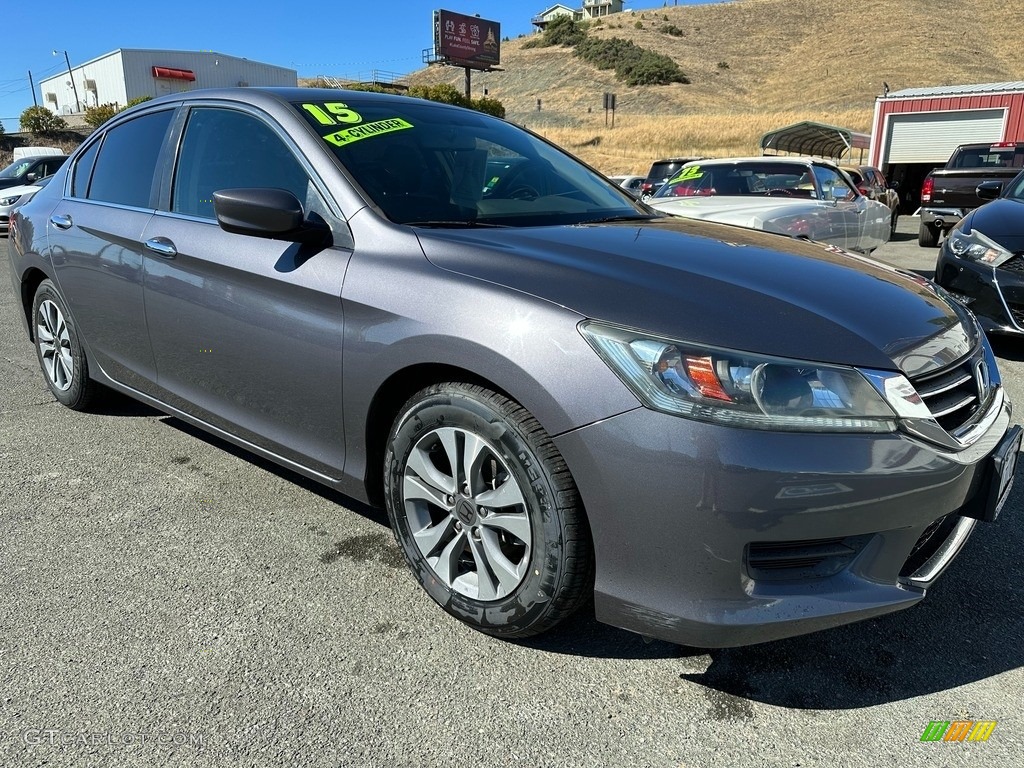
95	235
247	331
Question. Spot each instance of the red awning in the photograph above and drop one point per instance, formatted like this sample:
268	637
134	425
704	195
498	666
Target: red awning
174	74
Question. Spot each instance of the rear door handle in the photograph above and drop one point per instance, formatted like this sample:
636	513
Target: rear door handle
162	247
61	221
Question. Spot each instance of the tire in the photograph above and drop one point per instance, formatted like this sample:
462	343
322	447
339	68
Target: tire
509	553
927	237
59	350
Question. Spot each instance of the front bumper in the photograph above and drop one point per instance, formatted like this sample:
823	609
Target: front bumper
995	295
712	536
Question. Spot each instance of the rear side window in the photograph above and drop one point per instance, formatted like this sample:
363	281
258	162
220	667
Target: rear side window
127	160
83	170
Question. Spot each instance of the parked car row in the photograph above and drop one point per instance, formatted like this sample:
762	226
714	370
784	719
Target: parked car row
555	391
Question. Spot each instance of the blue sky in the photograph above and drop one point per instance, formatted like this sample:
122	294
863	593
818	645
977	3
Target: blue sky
339	38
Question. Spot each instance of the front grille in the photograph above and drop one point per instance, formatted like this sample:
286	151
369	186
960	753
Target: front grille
810	558
1016	264
954	395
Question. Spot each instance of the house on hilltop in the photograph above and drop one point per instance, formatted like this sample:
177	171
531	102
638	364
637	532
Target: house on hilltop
592	9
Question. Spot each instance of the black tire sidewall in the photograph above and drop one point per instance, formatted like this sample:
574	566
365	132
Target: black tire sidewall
528	605
75	395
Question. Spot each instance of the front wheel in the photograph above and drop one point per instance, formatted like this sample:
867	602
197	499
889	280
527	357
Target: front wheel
60	352
486	512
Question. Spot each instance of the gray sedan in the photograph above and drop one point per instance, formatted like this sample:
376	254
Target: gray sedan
556	393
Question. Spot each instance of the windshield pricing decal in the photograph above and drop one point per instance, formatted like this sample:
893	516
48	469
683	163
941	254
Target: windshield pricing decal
360	132
333	113
693	172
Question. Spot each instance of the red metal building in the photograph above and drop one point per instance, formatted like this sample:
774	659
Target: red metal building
917	129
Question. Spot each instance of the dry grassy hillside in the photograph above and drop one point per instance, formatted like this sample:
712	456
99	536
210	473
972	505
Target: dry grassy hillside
754	65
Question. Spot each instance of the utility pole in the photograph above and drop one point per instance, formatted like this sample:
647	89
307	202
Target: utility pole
78	105
32	87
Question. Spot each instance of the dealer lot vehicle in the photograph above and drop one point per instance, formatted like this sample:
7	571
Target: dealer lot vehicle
28	170
631	184
871	183
950	193
553	391
660	172
15	197
799	197
981	260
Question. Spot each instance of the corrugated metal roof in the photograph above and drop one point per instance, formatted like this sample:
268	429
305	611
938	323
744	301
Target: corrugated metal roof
811	138
957	90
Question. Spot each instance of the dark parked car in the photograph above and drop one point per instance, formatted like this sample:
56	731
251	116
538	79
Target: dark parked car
981	260
660	172
30	169
554	392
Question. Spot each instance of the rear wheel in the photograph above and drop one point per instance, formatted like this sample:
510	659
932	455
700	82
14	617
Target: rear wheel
60	352
486	512
927	237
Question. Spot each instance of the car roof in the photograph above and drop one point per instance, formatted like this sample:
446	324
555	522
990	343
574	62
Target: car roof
284	95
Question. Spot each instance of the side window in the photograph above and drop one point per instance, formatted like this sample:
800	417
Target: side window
127	161
833	186
228	149
52	166
82	171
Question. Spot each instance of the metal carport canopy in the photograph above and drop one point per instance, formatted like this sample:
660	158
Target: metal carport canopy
811	138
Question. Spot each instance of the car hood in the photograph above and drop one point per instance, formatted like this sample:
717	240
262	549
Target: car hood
733	210
718	285
1001	220
20	189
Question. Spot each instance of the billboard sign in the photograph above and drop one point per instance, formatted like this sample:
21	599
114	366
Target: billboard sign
467	41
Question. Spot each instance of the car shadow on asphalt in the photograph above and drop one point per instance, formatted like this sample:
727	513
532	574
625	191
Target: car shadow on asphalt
969	627
1007	347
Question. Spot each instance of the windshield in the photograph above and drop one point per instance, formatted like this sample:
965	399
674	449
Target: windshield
16	169
741	179
1015	189
426	164
1011	156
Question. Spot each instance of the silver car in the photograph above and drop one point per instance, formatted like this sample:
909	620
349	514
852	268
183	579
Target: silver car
797	196
555	393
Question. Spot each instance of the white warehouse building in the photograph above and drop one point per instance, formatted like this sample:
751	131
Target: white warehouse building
129	73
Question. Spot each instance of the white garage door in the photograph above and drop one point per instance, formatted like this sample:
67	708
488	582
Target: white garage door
931	137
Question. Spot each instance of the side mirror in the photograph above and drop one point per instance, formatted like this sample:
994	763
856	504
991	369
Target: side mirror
989	190
31	176
264	212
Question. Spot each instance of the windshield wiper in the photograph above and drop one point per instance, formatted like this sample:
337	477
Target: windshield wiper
455	224
631	217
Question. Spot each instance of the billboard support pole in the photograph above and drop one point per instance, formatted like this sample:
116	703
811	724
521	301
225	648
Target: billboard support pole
468	81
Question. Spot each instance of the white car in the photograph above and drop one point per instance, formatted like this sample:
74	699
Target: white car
629	183
15	197
797	196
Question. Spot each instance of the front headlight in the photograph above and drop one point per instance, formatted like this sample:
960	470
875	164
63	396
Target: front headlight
977	247
9	200
740	389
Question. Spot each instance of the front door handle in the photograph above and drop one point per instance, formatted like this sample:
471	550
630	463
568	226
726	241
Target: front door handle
162	247
61	221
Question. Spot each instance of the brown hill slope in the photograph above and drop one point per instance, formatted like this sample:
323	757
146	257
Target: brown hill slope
754	65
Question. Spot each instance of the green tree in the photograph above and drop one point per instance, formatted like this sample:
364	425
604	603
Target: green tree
39	121
96	116
489	106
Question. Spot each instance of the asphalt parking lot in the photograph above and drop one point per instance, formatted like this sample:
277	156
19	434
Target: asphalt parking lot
169	600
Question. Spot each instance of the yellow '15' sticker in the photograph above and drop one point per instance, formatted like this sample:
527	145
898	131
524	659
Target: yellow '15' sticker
336	112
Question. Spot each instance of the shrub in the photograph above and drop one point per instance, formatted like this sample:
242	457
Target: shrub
639	25
561	30
671	29
723	65
1	129
632	64
138	100
442	92
489	106
39	121
96	116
